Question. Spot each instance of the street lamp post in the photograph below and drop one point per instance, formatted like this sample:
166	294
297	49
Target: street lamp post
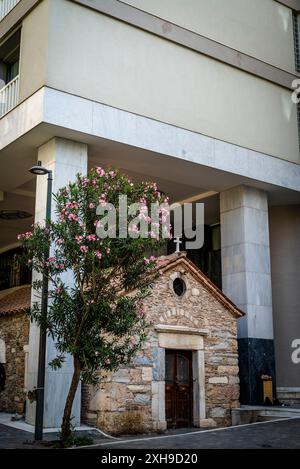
39	170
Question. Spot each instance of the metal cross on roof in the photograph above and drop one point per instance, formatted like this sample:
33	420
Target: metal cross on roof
177	241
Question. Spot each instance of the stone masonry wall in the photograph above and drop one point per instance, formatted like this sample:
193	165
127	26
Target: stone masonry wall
122	402
14	330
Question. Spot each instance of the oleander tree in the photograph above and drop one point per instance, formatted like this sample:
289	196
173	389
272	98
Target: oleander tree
96	285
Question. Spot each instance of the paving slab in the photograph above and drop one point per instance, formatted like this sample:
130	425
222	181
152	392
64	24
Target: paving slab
281	434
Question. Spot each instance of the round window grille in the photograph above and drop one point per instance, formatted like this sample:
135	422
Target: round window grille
179	286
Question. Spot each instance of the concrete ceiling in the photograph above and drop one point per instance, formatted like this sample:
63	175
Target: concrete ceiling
177	178
9	229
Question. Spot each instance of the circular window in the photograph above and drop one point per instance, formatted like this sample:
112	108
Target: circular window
179	286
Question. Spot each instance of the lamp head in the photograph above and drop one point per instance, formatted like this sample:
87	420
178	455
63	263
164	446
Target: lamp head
39	170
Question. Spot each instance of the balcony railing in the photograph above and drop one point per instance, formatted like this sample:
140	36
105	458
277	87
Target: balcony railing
9	96
6	6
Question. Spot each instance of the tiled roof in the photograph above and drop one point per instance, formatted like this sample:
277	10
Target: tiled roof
180	259
15	301
18	299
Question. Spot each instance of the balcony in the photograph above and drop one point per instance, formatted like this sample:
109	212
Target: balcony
9	96
6	6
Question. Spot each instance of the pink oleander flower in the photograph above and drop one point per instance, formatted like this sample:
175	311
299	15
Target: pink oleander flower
90	302
100	171
51	259
84	249
72	205
149	259
72	217
84	182
97	354
98	254
141	312
60	242
79	239
91	205
112	174
91	237
108	250
26	235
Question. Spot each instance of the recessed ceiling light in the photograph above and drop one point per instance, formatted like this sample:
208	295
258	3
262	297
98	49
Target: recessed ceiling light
14	215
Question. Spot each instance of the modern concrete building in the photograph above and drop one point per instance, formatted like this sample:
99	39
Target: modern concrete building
193	94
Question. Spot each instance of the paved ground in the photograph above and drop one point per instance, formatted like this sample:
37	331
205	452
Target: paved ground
280	434
12	438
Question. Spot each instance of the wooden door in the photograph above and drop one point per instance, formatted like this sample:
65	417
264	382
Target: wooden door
178	388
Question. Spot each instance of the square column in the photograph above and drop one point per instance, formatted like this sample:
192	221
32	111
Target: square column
246	279
65	158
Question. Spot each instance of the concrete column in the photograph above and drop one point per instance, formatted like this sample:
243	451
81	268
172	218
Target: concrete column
65	158
285	260
246	278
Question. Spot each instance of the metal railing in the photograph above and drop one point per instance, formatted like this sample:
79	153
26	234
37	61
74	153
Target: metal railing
6	6
9	96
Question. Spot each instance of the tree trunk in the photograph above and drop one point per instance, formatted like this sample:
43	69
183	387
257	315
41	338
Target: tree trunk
66	421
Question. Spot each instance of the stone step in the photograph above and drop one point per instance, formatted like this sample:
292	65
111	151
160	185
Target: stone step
253	414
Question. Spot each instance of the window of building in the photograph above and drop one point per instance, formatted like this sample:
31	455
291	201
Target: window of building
9	59
12	273
179	286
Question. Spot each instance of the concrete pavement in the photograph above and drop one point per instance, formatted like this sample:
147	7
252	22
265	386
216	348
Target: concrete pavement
284	434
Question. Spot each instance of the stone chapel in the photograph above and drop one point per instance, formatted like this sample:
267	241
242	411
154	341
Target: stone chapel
187	372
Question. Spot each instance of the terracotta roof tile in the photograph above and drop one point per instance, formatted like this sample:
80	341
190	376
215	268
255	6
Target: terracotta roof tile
19	299
16	301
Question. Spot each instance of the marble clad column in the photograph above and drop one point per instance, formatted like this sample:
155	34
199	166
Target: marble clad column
246	279
65	158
